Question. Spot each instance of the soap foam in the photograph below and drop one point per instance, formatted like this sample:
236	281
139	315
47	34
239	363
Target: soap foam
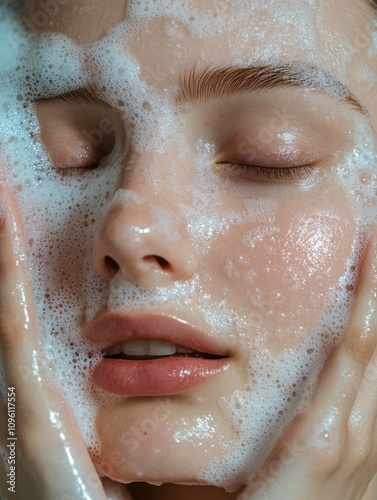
259	421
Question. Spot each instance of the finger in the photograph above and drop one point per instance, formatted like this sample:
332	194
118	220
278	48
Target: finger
328	418
360	339
22	357
362	421
322	431
345	371
362	431
46	430
17	319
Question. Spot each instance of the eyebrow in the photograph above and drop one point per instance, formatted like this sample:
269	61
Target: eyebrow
218	82
83	95
203	85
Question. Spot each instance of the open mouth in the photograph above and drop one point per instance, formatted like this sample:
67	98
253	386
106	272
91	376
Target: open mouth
153	354
154	349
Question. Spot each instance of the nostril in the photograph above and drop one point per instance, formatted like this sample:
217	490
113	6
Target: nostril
163	263
111	266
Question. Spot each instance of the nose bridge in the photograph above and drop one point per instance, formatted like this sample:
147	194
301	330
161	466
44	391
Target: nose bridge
157	177
144	239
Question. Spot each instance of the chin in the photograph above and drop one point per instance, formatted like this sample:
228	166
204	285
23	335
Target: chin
158	440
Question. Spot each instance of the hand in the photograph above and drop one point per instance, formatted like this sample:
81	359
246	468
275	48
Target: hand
330	452
51	458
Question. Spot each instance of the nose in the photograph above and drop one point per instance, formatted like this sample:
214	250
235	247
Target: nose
144	242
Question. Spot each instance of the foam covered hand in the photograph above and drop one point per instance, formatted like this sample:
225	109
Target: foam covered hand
51	458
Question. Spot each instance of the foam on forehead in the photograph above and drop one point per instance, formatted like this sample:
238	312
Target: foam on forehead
249	22
203	19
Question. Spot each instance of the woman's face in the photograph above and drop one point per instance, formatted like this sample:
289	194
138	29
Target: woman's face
211	187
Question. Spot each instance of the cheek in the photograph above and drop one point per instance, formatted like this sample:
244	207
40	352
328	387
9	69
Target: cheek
283	273
314	253
315	249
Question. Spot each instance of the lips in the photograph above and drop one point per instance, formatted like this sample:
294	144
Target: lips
153	354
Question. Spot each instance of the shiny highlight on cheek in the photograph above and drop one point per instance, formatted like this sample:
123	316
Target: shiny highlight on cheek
313	241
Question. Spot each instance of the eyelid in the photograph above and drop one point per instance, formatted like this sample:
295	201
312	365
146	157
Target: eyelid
279	152
72	153
262	173
77	140
69	148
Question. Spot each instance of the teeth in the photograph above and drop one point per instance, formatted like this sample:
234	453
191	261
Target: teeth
148	348
183	350
135	348
157	348
112	351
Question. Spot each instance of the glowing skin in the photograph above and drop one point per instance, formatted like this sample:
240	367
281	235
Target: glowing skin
256	260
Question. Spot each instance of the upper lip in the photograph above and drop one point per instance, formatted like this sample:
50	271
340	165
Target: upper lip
114	329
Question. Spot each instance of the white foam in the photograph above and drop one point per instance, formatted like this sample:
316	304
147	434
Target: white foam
259	420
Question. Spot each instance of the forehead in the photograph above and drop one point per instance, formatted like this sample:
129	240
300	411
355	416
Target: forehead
222	30
168	38
87	20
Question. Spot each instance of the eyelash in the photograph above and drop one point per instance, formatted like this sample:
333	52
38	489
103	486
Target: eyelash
262	173
72	171
258	172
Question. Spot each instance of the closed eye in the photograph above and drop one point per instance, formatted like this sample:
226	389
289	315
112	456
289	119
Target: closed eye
78	136
262	173
72	157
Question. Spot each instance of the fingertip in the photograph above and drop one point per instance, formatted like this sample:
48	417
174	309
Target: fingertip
368	265
5	203
10	217
12	237
361	336
373	253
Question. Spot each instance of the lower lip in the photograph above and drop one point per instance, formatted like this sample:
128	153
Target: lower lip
155	377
